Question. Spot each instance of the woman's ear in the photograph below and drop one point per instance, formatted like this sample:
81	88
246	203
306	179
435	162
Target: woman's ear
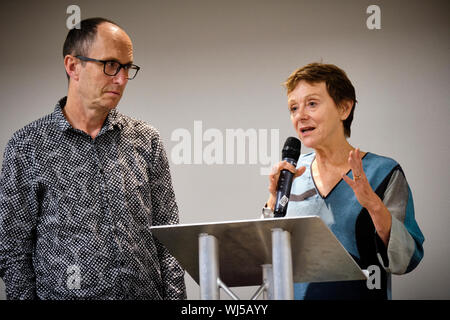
345	108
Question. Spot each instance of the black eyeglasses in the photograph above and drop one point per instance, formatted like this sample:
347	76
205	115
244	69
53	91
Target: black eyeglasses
112	68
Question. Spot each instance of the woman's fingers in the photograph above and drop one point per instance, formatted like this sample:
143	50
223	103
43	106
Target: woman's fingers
360	185
275	174
349	181
284	165
273	178
299	172
354	160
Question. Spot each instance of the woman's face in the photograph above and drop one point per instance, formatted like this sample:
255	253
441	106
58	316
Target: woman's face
316	118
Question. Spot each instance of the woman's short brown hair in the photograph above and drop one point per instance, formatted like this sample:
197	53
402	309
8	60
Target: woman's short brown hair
338	85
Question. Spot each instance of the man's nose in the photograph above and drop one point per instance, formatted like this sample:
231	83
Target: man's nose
121	77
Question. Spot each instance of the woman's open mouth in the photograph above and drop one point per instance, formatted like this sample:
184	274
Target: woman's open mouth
306	130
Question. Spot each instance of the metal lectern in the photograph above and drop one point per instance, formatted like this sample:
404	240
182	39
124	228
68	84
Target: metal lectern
273	253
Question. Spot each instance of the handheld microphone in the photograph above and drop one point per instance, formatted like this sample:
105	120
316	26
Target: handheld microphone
290	153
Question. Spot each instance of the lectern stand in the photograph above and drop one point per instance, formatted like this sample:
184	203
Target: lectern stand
273	253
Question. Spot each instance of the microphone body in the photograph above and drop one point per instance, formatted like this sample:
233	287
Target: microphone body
290	153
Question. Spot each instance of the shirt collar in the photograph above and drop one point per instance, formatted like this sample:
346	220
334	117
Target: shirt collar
113	120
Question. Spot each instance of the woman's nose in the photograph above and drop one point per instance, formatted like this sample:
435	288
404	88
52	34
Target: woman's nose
301	113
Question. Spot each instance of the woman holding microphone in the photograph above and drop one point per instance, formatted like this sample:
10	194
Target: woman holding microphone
364	198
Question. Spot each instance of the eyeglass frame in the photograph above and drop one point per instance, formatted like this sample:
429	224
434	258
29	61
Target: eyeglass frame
121	66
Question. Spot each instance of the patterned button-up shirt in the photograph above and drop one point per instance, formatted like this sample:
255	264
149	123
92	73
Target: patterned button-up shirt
75	212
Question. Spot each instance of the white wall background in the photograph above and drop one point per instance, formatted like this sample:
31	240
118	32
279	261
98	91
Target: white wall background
222	62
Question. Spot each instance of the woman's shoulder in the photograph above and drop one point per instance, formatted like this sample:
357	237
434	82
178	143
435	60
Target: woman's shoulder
379	159
376	165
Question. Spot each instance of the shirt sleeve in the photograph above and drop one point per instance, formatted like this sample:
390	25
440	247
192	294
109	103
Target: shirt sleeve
165	211
18	219
405	246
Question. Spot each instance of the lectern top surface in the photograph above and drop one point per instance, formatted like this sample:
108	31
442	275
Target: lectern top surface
245	245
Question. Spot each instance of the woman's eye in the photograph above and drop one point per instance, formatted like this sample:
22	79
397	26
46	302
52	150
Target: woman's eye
312	103
293	108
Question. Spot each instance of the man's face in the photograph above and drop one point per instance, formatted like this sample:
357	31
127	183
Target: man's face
96	89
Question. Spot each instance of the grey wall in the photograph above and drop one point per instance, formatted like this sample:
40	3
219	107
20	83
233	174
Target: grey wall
222	62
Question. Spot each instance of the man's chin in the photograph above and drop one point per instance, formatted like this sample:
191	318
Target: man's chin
110	103
104	106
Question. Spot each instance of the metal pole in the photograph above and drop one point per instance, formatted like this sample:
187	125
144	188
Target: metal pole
268	280
262	288
227	290
283	284
208	257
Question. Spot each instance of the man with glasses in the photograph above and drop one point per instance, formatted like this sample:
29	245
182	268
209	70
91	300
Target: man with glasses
80	188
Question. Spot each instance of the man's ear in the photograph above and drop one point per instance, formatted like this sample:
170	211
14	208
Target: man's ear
72	66
345	108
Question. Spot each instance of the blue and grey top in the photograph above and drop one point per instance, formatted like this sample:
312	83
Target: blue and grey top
352	225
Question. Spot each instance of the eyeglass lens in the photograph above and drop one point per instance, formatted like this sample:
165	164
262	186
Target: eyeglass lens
112	68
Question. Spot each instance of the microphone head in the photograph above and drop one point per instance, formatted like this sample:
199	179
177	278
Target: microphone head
291	148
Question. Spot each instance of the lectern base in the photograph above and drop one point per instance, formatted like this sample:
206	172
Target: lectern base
277	282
